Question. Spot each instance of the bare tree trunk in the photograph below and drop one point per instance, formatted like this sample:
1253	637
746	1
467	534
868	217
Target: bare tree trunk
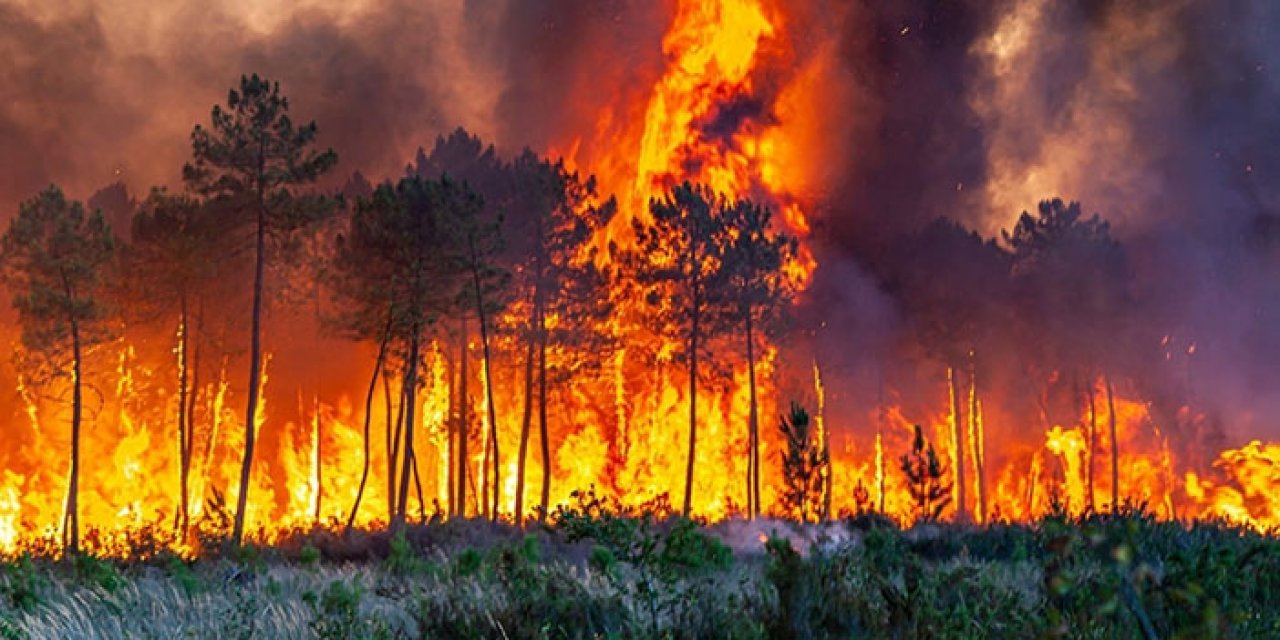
544	437
255	366
462	426
488	380
319	448
825	434
753	463
1115	448
451	487
410	396
77	403
977	440
417	483
526	422
184	428
1092	449
392	447
957	439
693	398
193	393
397	458
368	419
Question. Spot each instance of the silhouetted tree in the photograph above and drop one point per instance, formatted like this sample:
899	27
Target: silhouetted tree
926	478
396	272
116	205
482	242
255	157
555	214
465	158
174	255
954	289
803	462
754	291
56	259
678	255
1071	282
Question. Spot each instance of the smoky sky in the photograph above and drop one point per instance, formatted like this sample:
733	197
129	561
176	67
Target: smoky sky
1161	115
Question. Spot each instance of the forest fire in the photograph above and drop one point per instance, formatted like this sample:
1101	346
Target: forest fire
656	384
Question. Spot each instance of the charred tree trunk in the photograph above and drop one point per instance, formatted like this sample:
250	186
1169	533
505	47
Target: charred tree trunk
368	420
977	440
753	464
193	393
77	403
695	310
543	437
1115	447
1092	448
397	457
957	438
451	487
462	425
255	354
319	446
527	420
410	396
392	447
417	484
488	380
184	426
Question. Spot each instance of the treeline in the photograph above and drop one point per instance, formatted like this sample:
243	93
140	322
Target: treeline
464	246
530	259
1037	329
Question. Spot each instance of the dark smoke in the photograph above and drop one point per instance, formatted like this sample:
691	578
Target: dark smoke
1159	115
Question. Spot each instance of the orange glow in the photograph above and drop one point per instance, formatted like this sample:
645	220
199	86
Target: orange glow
737	108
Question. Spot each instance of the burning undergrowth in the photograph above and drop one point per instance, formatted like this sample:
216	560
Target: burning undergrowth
1060	360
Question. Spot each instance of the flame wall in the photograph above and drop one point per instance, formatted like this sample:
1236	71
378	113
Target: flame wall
856	123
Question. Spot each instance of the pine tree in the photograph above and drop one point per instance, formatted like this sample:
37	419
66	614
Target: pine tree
803	462
1071	276
557	215
754	293
398	271
174	256
678	259
926	478
56	259
255	158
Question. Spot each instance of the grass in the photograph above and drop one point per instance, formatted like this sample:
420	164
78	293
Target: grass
605	572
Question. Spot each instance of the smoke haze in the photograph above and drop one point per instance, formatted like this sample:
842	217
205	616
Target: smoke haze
1160	115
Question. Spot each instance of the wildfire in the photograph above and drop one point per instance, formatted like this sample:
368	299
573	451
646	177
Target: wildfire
733	109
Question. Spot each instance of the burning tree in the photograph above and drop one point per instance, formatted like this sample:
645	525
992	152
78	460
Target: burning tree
173	258
55	258
399	270
483	240
556	216
253	159
464	157
754	291
1071	280
953	284
679	256
926	478
804	460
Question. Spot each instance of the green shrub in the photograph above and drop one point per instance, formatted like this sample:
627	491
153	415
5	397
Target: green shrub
23	584
95	572
309	555
402	559
337	611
